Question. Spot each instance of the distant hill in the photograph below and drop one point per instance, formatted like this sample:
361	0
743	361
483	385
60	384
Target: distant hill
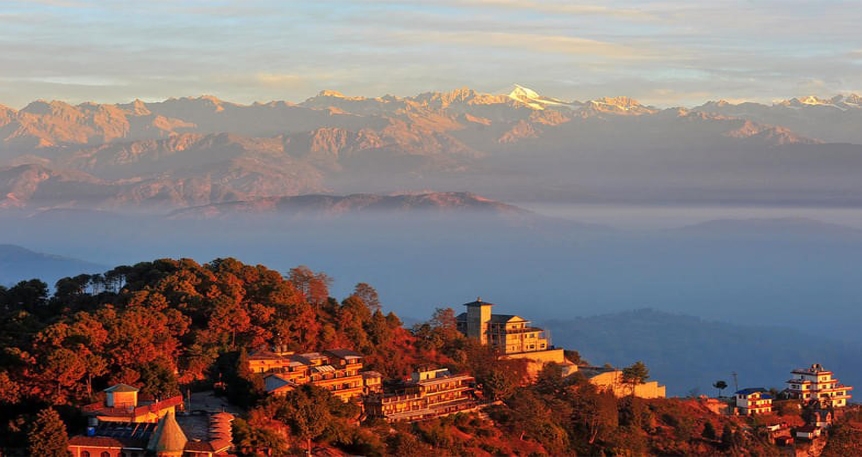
689	354
333	205
19	264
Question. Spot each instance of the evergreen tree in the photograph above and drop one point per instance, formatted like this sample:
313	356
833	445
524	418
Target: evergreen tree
47	437
727	437
708	431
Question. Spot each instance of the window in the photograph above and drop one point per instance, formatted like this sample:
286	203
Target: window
85	454
105	454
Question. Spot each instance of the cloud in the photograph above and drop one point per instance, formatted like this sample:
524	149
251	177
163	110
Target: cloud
281	80
529	42
547	7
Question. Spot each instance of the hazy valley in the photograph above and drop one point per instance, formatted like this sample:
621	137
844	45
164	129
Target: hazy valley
425	197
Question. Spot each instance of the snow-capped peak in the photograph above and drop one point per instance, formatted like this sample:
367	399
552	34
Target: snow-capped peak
521	92
532	99
331	93
812	100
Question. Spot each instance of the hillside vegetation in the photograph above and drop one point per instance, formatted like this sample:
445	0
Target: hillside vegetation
175	325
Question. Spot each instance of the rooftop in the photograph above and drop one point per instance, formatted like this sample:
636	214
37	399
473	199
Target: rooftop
478	302
751	390
121	388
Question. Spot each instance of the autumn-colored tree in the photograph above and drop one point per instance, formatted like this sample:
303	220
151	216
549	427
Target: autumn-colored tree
314	286
368	295
48	436
10	392
594	413
257	438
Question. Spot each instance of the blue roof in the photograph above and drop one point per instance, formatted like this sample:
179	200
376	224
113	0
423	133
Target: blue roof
751	390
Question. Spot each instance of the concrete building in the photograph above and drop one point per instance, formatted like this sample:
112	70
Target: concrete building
513	337
428	394
816	384
337	370
753	401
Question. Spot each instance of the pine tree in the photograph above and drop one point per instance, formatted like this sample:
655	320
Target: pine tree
48	437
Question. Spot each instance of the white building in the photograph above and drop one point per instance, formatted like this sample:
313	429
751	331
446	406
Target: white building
753	401
817	384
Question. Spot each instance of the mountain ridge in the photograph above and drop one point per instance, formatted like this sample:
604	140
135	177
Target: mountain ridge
194	151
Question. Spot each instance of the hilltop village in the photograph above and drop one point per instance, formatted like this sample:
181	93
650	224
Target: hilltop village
171	358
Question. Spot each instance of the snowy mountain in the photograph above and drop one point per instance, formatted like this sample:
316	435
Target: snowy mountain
196	151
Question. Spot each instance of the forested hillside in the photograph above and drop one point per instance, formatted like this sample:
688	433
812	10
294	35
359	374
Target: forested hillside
177	326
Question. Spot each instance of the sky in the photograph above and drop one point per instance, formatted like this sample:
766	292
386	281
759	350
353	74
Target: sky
663	53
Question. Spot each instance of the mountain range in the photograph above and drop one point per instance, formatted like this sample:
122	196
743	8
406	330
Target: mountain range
520	146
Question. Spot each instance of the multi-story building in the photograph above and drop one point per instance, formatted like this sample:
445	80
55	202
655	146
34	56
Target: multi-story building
337	370
507	333
817	384
753	401
428	394
513	337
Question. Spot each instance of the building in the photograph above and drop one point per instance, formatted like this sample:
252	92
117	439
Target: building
507	333
428	394
266	361
337	370
513	337
808	432
816	384
611	379
121	404
171	436
753	401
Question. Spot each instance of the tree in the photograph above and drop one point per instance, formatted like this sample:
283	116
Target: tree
727	437
635	374
369	295
159	380
720	385
594	414
500	383
47	437
305	410
709	431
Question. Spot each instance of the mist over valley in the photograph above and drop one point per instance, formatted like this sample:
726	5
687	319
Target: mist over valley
558	210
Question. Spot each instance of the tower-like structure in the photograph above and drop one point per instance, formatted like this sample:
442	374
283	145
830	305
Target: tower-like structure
478	317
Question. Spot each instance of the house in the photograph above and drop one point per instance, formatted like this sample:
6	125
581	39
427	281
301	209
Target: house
121	404
428	394
753	401
337	370
513	337
816	384
611	379
171	436
808	432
